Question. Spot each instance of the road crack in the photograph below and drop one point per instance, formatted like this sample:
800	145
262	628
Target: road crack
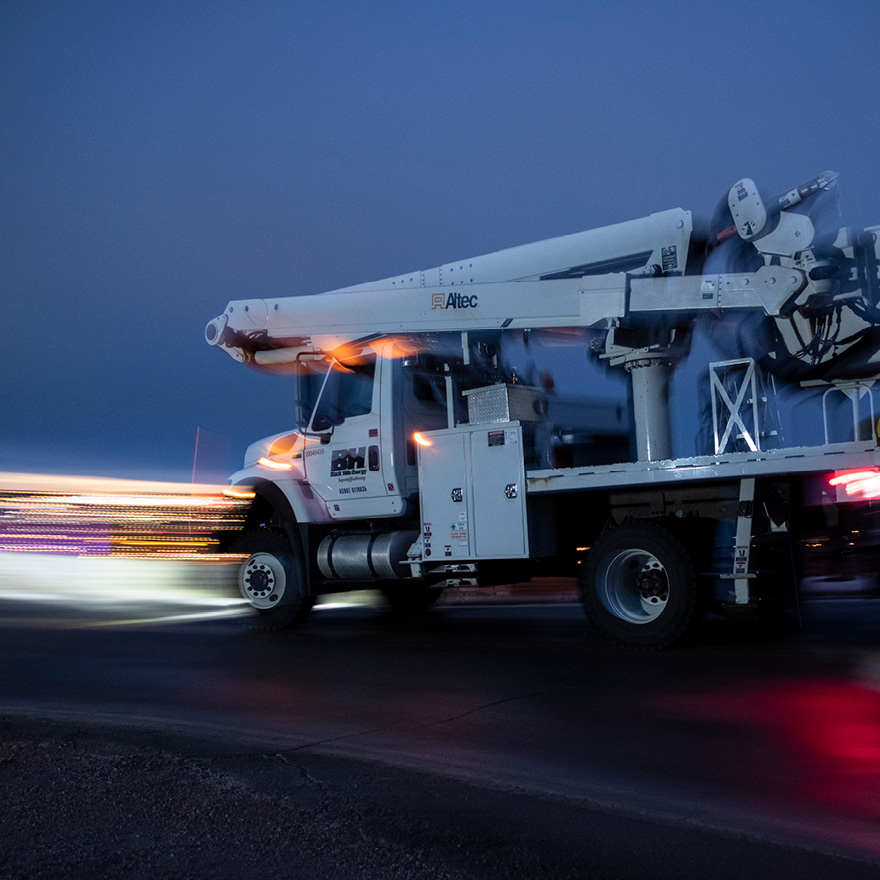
476	709
427	724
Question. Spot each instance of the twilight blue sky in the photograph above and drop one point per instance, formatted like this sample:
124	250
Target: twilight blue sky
161	158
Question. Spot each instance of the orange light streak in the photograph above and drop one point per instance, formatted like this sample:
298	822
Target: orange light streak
239	493
274	464
88	516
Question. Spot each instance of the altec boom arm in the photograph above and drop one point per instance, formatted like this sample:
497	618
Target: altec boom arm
628	274
544	284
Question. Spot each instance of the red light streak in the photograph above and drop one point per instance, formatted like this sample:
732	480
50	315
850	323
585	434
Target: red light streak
863	484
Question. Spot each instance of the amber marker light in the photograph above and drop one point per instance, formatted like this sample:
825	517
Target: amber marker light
274	464
421	439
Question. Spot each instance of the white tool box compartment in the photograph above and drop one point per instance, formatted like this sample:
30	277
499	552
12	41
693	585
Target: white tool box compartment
472	493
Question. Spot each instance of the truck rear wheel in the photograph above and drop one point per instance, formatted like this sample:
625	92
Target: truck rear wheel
271	580
639	587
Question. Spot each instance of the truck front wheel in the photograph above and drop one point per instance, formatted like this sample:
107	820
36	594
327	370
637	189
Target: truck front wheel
638	587
270	579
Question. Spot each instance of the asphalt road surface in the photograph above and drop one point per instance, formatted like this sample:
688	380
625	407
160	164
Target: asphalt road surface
473	741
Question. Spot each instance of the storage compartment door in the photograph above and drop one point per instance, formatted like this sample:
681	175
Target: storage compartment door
444	481
499	493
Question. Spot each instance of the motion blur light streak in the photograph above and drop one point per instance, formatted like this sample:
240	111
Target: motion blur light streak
98	544
826	735
129	591
859	485
236	493
274	464
105	517
105	590
131	551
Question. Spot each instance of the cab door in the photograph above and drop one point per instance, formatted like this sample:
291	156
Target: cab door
345	468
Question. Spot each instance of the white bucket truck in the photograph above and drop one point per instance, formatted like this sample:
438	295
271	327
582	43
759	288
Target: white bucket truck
420	459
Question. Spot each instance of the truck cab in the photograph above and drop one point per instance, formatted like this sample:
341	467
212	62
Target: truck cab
354	445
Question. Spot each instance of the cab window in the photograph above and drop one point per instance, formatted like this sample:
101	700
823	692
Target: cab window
424	405
347	392
308	386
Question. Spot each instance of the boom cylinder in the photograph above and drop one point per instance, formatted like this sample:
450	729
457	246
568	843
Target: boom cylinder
650	397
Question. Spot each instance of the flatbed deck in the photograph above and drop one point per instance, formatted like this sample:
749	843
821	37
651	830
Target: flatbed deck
727	466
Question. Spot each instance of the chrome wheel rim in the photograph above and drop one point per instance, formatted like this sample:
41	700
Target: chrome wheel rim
262	580
634	586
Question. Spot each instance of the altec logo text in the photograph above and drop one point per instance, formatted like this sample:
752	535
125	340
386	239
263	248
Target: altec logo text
453	301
